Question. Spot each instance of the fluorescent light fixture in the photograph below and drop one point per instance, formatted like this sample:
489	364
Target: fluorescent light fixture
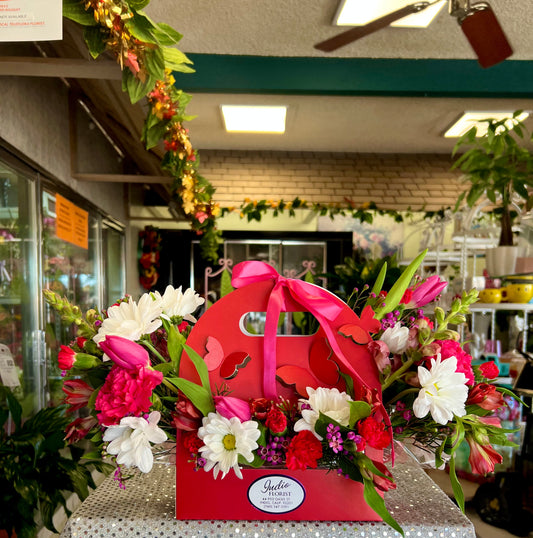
360	12
473	119
254	119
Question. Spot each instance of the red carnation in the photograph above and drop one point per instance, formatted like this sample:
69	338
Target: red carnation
374	433
276	421
191	441
304	451
489	370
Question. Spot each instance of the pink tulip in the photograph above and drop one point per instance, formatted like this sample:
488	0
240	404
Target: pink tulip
427	290
78	394
66	358
230	407
124	352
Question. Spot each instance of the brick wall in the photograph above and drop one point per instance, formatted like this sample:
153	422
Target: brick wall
398	182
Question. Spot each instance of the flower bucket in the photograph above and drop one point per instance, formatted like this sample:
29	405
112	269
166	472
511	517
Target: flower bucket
272	366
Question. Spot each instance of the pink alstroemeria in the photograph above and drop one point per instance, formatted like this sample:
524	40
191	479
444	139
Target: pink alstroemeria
483	457
485	396
124	352
132	62
77	394
229	407
426	291
79	428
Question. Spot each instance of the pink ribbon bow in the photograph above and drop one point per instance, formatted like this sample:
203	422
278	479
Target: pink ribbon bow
314	299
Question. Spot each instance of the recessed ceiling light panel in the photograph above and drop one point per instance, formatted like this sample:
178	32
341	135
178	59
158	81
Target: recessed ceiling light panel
474	119
360	12
254	119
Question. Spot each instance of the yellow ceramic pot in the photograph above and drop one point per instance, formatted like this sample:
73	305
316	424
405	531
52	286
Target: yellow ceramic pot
490	295
519	293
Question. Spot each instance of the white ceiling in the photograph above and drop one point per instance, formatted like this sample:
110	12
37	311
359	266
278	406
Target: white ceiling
290	28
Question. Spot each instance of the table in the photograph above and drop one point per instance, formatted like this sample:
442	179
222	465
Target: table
146	509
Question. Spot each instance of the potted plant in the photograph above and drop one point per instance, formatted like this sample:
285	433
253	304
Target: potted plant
37	470
498	165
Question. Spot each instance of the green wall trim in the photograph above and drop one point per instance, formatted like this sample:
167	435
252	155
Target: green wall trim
356	76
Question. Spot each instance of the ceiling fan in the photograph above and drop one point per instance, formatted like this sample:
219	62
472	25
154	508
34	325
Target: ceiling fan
477	20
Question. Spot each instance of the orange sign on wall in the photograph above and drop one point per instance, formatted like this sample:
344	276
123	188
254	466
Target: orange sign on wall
72	223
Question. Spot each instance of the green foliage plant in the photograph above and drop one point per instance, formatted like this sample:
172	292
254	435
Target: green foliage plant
498	165
38	471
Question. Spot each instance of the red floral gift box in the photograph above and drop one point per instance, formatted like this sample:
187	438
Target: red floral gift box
281	427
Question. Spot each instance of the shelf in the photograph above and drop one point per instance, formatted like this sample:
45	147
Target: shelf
488	307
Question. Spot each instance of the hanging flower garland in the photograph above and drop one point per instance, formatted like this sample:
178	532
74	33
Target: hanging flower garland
146	53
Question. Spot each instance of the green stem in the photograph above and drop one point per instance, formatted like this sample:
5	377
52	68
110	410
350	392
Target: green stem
169	385
401	395
397	374
149	345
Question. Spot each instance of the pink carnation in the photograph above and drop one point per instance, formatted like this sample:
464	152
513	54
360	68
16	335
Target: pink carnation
126	393
451	348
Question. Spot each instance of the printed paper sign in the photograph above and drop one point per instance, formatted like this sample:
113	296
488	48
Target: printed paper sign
276	494
72	222
8	372
31	20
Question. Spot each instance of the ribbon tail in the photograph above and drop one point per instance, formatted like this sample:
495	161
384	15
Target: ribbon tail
269	347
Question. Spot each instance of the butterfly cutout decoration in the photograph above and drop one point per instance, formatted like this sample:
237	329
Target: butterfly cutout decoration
360	331
229	364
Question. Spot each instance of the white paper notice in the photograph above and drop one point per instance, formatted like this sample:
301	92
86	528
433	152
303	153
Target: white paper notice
8	372
31	20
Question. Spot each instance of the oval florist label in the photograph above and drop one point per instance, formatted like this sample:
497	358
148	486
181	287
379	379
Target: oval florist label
276	494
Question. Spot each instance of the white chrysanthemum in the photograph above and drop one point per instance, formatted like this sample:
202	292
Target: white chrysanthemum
396	338
330	402
130	441
176	303
131	320
443	392
225	440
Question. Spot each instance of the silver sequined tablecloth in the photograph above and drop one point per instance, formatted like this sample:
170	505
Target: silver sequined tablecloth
146	508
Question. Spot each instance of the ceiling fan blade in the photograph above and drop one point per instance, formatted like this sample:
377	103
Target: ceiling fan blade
358	32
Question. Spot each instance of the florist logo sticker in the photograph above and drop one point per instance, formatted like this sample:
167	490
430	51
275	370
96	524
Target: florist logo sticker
276	494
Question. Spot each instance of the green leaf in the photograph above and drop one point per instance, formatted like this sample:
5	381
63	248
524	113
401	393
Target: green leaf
456	486
176	60
378	284
84	361
166	35
152	136
138	4
358	411
200	366
75	11
135	88
175	343
225	283
94	38
155	63
376	502
201	398
141	28
398	289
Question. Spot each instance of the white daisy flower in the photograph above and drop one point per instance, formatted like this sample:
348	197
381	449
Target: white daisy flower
396	338
330	402
443	392
176	303
131	320
130	441
225	440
